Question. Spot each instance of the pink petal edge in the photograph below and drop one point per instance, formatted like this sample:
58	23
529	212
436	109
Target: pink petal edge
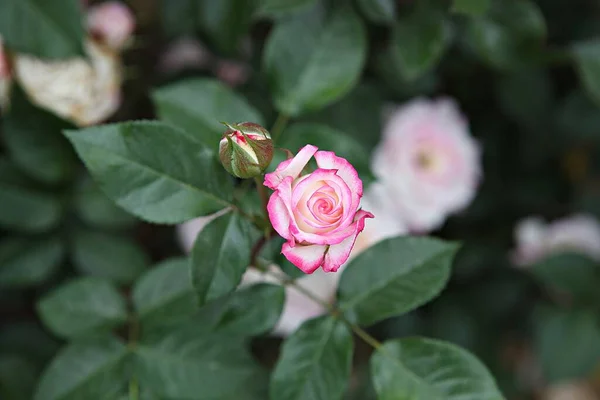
292	167
338	254
307	258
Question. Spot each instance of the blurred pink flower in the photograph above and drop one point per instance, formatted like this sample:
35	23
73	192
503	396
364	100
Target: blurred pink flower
183	54
112	23
536	239
5	75
233	73
428	162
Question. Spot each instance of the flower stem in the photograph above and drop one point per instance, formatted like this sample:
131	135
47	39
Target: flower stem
134	327
331	309
279	125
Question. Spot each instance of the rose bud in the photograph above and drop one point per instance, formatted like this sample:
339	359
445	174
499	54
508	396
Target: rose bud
246	149
111	22
318	213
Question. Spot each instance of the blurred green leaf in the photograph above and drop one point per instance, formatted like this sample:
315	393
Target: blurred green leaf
195	362
25	208
419	41
199	105
393	277
280	8
311	60
315	362
110	256
152	170
225	22
578	117
575	274
165	293
328	139
587	57
426	369
90	369
357	114
82	307
378	11
220	256
179	17
17	377
510	35
58	32
473	8
97	210
27	262
567	342
27	339
34	141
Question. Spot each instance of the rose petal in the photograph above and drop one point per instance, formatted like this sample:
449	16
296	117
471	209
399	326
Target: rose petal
345	170
338	254
307	258
279	215
292	167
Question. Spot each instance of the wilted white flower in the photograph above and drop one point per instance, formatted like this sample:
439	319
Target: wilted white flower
536	239
112	23
428	162
85	91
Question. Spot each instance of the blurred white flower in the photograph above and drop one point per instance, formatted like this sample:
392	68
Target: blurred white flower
299	308
112	23
5	76
428	162
570	391
536	239
85	91
184	53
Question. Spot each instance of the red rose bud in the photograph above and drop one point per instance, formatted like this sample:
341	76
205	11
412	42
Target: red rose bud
246	149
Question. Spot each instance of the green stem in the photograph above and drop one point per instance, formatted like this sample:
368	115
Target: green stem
279	125
262	193
134	327
331	309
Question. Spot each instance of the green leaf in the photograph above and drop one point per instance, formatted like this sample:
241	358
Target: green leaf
179	17
315	362
510	35
192	364
587	57
419	41
393	277
358	114
82	308
97	210
28	339
154	171
225	22
326	138
425	369
199	105
110	256
220	256
25	208
578	117
17	377
90	369
165	294
27	262
311	61
280	8
473	8
58	27
378	11
573	273
567	342
34	141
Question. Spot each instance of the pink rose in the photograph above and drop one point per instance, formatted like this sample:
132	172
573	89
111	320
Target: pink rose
318	213
537	240
428	162
112	22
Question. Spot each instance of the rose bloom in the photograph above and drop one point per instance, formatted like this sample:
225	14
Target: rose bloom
536	240
428	162
298	308
112	23
317	213
83	90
